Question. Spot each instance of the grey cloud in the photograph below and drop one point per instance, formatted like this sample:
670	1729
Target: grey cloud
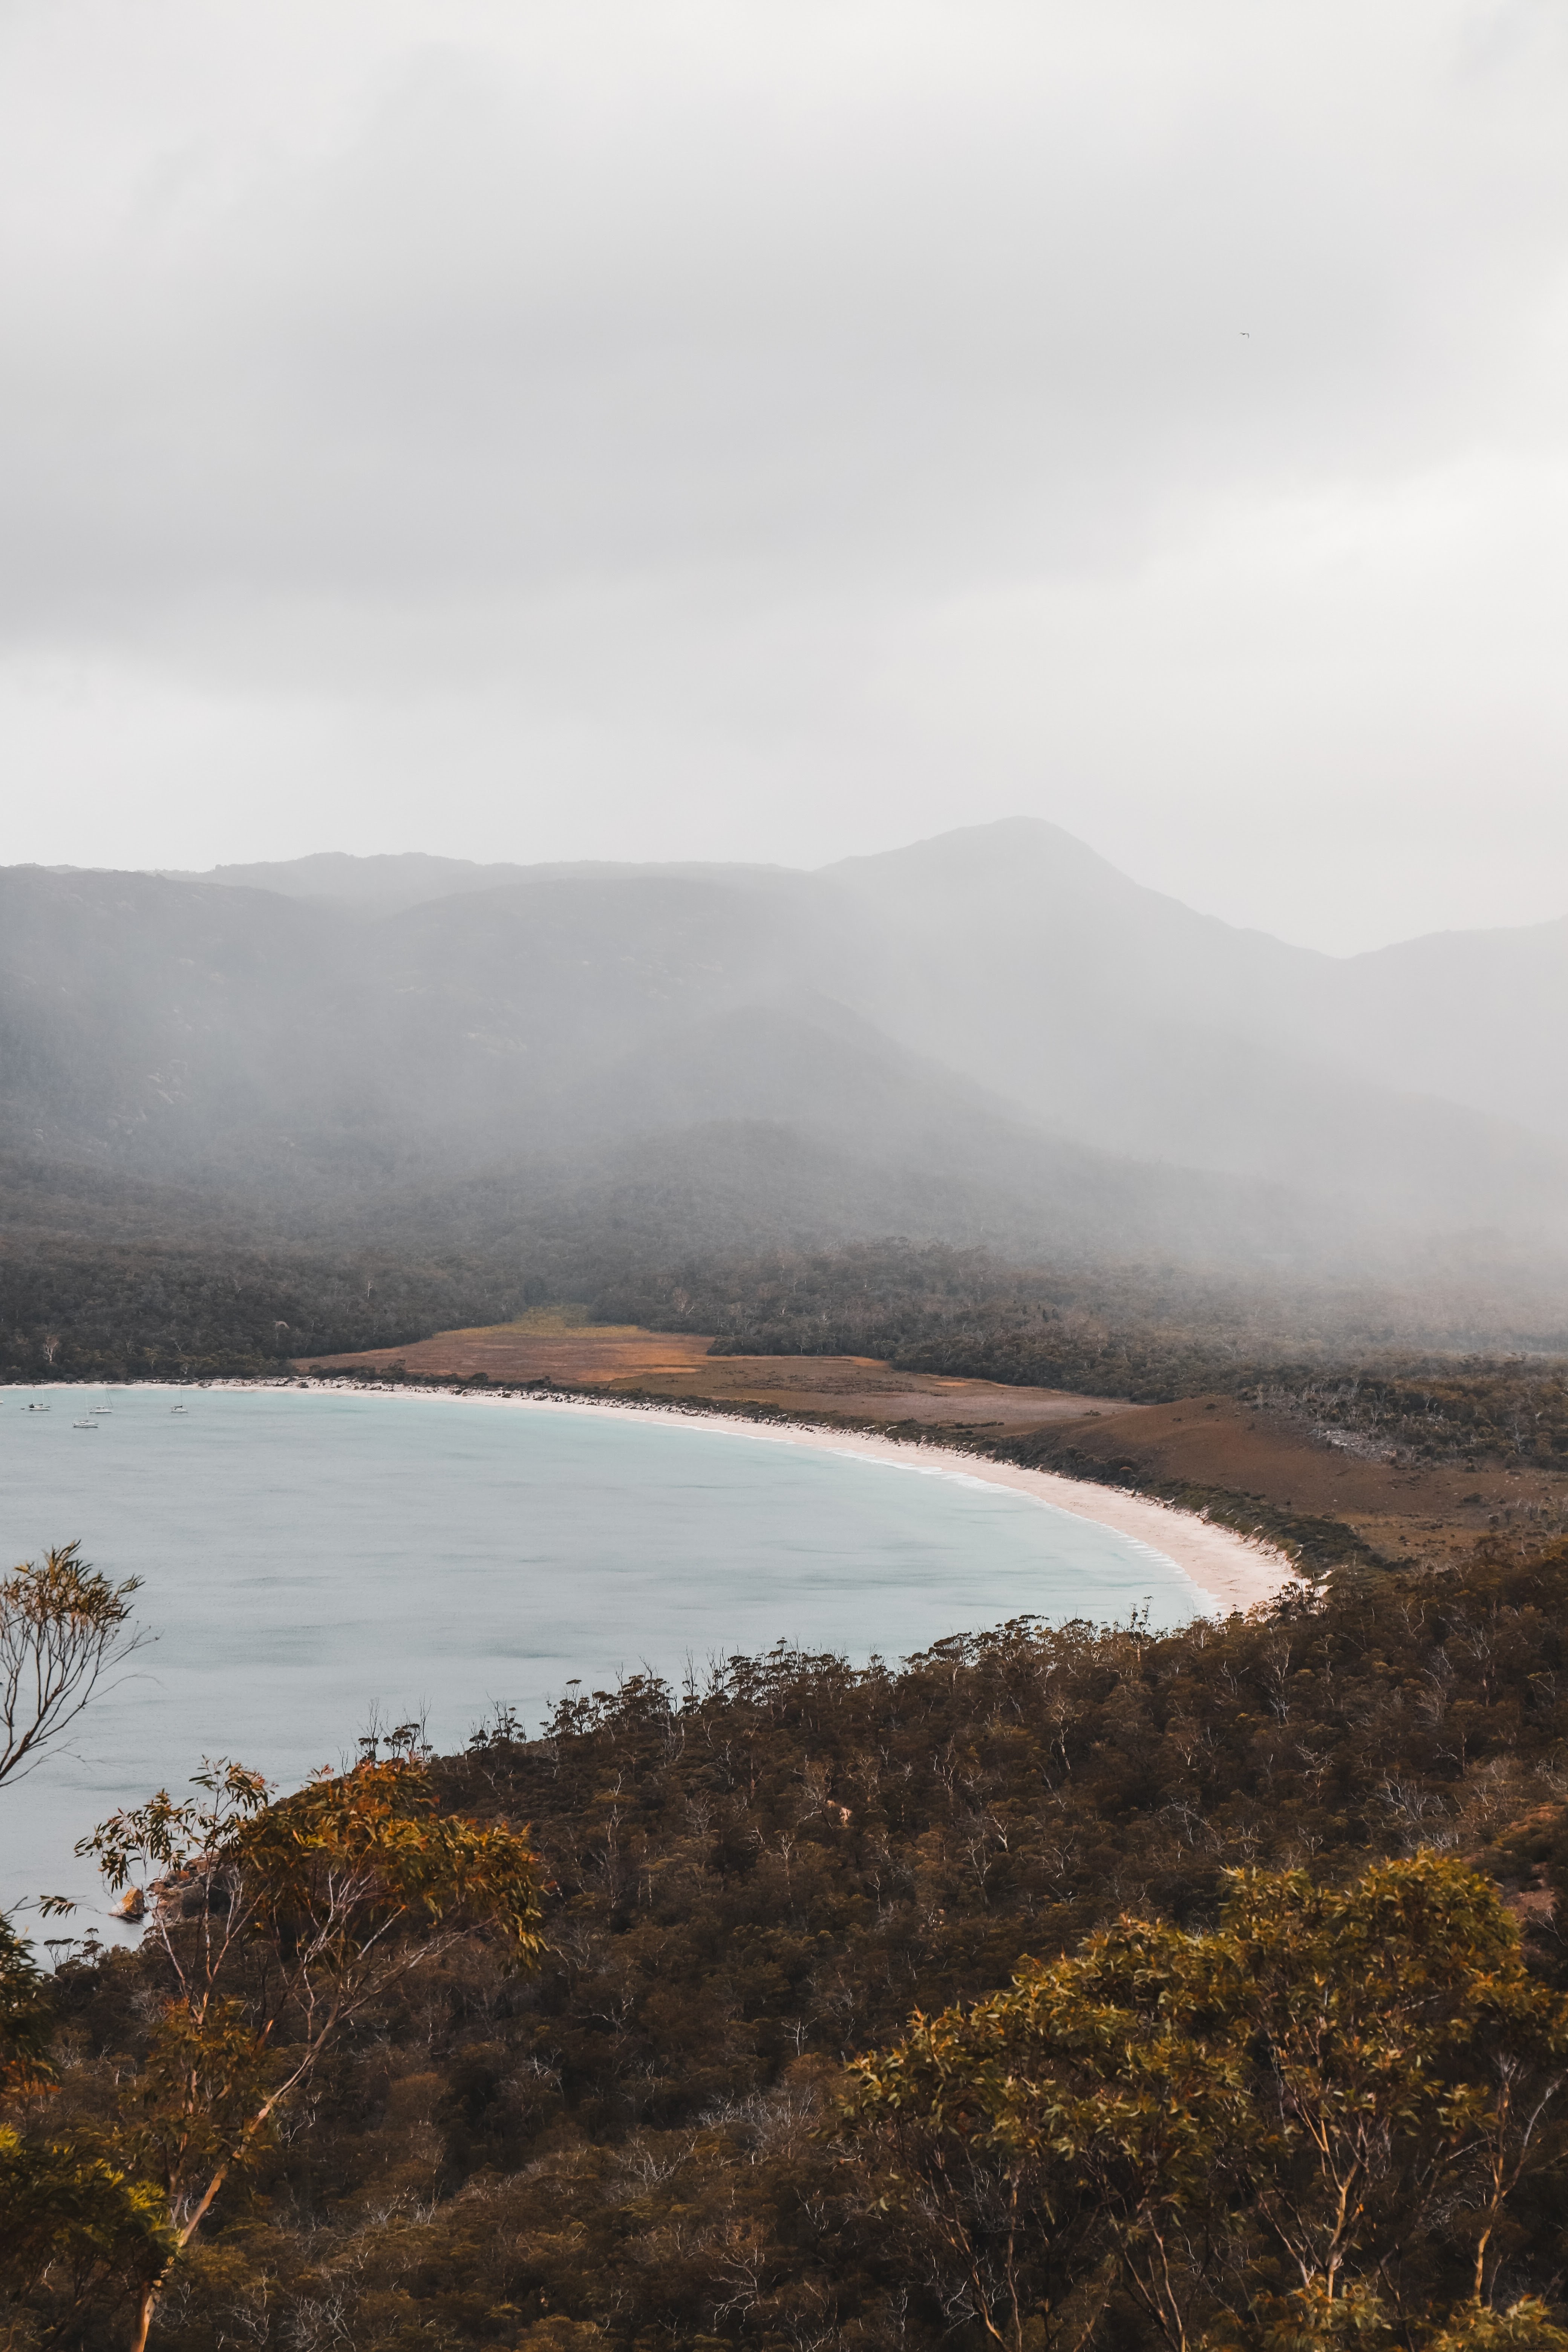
675	375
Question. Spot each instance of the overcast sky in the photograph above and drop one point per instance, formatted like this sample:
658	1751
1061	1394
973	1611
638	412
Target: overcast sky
781	428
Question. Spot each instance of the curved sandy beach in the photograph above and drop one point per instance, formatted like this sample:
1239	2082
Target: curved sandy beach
1229	1571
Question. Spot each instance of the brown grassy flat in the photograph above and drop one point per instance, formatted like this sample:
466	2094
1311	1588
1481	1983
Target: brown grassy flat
1417	1511
678	1365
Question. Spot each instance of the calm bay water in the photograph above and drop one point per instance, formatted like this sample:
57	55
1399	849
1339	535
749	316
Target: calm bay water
308	1557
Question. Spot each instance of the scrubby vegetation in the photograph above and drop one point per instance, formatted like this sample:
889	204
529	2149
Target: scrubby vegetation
1513	1412
1392	1375
658	2139
143	1310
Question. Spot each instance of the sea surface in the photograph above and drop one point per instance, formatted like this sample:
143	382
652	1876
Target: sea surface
312	1558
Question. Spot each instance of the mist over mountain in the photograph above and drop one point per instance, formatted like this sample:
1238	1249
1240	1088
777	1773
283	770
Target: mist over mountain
990	1037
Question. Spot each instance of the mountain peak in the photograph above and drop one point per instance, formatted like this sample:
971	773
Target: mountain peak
994	851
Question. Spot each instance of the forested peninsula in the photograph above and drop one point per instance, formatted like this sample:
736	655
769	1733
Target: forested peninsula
1059	1986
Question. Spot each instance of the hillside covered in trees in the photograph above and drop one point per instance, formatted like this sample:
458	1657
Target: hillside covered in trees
1442	1368
1416	1371
660	2133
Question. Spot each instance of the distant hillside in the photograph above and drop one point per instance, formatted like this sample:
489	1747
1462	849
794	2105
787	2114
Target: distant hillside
1124	1017
385	884
994	1037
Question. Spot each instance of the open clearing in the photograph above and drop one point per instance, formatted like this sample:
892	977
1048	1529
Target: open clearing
623	1360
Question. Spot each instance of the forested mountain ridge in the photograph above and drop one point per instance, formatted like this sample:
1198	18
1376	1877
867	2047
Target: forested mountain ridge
992	1038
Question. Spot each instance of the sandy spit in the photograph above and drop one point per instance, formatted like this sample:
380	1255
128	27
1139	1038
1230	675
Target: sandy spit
1229	1571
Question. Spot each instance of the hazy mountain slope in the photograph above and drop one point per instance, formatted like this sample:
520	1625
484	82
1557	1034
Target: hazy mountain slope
516	1042
1477	1016
387	884
143	1020
1027	920
366	886
993	1034
152	1021
1029	916
1474	1017
1122	1017
739	1184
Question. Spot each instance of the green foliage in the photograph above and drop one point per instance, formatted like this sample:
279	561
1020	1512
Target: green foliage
357	1858
72	2218
1415	1376
1337	2086
1525	2327
143	1308
275	1927
1514	1414
277	1923
26	2017
1311	2319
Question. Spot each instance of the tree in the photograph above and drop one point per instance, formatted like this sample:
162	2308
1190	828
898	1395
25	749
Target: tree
66	2213
1066	2136
277	1924
74	2220
24	2018
1408	2061
62	1629
1271	2130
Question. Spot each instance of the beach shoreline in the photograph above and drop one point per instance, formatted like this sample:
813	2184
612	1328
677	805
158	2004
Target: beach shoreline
1228	1571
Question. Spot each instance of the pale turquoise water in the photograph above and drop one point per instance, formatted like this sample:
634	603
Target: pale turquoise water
308	1556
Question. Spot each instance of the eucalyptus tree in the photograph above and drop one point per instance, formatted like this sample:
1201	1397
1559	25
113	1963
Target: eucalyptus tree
69	2215
1306	2126
63	1628
274	1926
